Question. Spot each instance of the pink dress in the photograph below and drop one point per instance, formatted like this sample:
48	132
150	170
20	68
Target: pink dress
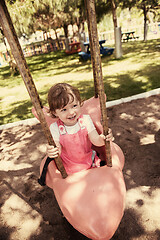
76	152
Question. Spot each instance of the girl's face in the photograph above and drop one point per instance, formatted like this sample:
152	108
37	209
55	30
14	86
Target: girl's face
70	113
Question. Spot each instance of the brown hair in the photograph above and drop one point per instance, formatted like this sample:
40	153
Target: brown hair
59	96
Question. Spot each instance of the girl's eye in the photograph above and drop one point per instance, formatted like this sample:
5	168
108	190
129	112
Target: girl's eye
63	110
75	105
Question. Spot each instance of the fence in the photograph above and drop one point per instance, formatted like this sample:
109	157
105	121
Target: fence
33	49
43	47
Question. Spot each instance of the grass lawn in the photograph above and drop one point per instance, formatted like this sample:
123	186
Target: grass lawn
136	72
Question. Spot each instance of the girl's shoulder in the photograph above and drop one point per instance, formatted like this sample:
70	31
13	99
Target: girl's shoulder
54	131
88	122
53	125
86	118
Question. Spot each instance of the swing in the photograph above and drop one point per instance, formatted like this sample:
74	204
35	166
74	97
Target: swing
91	200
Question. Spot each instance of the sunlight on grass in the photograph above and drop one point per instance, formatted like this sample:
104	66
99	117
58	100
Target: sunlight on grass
114	85
137	71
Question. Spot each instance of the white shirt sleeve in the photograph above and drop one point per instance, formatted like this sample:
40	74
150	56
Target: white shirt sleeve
54	131
89	123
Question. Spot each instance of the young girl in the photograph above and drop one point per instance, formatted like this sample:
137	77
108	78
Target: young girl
73	132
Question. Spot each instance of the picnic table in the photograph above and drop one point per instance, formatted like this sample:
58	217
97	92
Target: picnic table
74	48
105	51
126	36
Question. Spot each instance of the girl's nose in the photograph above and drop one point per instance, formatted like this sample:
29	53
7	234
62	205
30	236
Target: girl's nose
71	111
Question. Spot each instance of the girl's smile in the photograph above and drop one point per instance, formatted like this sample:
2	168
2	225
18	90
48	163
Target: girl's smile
70	113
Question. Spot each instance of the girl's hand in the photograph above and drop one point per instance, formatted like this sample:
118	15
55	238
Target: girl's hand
109	136
52	151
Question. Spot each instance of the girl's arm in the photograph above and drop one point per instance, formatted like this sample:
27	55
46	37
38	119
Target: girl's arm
99	140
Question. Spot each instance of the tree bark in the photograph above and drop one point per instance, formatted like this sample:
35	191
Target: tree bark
145	22
97	70
114	14
117	34
65	27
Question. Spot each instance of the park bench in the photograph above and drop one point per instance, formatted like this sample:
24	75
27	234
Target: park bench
126	36
106	51
84	56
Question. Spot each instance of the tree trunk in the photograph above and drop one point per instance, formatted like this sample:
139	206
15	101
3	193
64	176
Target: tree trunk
97	70
114	14
117	32
65	27
118	43
10	58
81	36
83	30
3	40
145	22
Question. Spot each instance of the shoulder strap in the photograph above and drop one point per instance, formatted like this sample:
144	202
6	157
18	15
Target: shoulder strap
61	127
81	122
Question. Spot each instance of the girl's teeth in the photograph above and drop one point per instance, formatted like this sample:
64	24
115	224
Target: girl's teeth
72	117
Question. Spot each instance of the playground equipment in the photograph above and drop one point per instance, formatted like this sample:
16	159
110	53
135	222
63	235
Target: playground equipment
74	48
91	200
104	51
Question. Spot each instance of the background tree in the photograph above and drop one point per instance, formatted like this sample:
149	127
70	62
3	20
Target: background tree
72	13
2	38
9	58
29	16
146	6
21	13
102	8
46	16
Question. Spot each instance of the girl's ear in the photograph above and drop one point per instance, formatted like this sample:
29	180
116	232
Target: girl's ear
53	114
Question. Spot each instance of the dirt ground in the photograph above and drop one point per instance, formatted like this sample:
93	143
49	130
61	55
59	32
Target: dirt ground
30	212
